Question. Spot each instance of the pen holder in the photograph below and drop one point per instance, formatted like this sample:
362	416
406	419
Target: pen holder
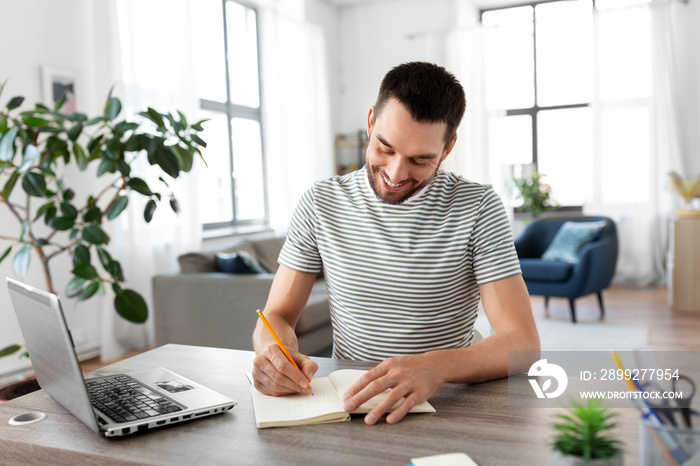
656	444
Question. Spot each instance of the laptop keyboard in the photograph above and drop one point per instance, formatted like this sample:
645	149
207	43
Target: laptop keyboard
123	399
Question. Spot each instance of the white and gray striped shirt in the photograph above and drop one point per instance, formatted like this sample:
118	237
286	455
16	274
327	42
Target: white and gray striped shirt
402	279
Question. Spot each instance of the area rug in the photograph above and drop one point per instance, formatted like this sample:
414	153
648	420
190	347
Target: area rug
560	335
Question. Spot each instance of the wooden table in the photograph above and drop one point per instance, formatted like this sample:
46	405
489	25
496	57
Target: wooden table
470	418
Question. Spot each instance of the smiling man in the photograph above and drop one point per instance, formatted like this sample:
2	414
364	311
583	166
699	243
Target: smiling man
407	250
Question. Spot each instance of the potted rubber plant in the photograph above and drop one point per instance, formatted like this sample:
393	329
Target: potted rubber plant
584	436
40	145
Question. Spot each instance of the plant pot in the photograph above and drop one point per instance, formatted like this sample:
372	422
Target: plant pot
556	458
17	389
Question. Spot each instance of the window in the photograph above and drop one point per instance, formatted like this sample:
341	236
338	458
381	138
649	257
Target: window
547	64
232	190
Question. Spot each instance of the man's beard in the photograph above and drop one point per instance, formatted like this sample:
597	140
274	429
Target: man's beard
371	171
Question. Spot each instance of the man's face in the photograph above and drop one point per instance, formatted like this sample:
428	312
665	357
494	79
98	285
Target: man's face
403	155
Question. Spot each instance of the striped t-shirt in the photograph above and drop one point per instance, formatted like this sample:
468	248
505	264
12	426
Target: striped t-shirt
402	279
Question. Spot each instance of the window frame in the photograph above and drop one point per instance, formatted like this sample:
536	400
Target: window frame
536	108
232	111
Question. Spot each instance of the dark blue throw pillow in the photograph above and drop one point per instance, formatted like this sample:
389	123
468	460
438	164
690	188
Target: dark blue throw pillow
232	263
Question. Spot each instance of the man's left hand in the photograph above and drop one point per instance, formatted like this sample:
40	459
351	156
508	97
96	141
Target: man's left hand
410	380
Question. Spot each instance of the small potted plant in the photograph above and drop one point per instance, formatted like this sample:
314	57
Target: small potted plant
583	437
535	194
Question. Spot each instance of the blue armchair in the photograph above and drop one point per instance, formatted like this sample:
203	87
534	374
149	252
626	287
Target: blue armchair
591	274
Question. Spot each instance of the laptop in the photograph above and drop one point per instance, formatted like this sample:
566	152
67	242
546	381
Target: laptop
113	405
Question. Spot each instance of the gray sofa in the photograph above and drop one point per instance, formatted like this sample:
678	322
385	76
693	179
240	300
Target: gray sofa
202	306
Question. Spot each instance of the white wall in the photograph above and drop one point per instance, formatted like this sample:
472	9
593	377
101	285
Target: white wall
73	34
376	36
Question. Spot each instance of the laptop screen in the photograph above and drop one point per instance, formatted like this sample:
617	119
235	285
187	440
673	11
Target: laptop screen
50	349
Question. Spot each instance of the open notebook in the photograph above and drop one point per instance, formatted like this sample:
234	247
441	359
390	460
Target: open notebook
325	405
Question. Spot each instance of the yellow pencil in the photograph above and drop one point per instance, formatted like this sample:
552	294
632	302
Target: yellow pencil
279	343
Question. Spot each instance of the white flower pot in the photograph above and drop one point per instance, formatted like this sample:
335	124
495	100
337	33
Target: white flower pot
556	458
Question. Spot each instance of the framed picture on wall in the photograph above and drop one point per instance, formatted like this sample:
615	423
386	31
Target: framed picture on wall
59	83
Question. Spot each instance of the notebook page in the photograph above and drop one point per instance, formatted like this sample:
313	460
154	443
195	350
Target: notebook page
285	410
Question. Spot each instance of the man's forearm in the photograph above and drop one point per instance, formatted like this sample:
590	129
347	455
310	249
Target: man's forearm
486	360
285	332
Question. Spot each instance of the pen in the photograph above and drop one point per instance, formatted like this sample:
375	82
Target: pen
664	439
280	344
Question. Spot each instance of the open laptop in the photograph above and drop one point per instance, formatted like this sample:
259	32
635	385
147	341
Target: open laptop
113	405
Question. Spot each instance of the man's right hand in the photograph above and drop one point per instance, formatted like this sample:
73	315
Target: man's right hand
274	375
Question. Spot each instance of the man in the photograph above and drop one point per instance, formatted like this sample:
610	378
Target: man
407	251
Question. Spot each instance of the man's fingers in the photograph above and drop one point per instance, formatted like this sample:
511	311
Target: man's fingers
265	385
400	412
391	398
308	367
282	377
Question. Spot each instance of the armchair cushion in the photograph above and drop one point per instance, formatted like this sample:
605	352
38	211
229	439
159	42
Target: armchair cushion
570	239
545	270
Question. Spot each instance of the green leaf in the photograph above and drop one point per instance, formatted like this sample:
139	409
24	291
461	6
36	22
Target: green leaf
34	184
60	103
89	291
168	162
62	223
184	157
198	140
40	242
140	186
174	205
80	157
81	255
7	148
68	194
50	214
95	144
24	231
106	166
123	167
20	263
73	234
5	253
75	287
85	271
92	214
31	157
131	306
115	270
112	108
124	126
68	210
74	132
95	235
149	210
94	121
104	256
198	126
183	120
35	122
9	185
117	208
15	102
9	350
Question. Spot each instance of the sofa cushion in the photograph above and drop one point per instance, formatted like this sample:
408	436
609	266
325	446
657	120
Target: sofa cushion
570	239
545	270
197	262
238	262
266	252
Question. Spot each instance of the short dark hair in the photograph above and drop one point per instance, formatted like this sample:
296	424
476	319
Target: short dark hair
428	91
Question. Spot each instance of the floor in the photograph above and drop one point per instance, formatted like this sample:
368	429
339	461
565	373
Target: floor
670	331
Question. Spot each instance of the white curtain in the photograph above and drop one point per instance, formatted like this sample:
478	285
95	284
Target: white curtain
639	169
155	51
296	110
472	157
